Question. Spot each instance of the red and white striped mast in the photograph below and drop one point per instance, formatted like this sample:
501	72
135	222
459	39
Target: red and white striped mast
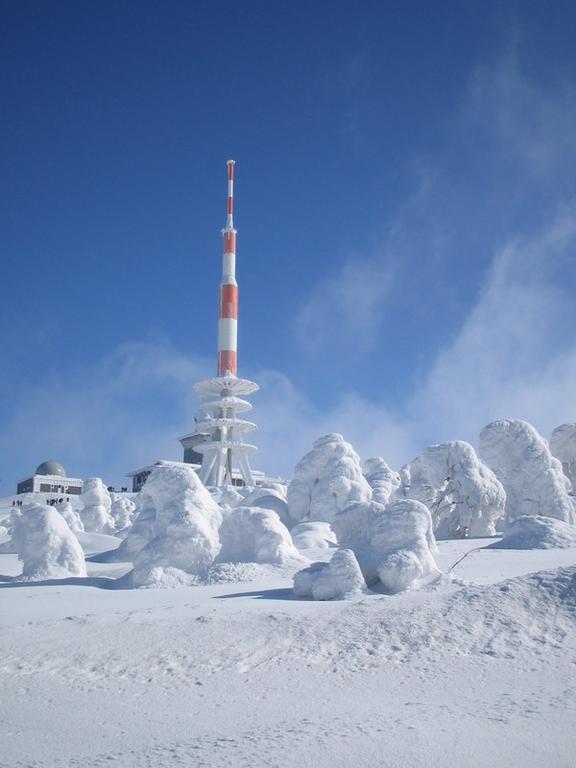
219	432
228	310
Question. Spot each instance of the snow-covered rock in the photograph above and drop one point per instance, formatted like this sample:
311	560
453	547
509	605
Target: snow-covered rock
182	522
537	532
96	503
327	480
315	535
383	480
563	447
71	515
463	495
255	535
122	511
45	544
393	544
532	478
337	579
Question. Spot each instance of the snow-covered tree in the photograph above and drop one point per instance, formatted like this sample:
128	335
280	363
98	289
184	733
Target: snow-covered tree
122	511
464	496
182	522
563	447
383	480
71	515
532	478
339	578
97	503
393	544
255	535
45	544
327	480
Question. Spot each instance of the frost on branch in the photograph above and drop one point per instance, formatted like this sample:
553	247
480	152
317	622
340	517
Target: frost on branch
327	480
383	480
531	476
463	495
96	507
339	578
182	521
563	447
46	545
393	544
255	535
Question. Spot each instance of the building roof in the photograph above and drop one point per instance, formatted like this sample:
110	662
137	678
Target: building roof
51	468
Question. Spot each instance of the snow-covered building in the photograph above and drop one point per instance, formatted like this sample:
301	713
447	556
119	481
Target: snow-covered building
50	477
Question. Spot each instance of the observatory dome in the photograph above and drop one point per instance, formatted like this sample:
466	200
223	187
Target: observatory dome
51	468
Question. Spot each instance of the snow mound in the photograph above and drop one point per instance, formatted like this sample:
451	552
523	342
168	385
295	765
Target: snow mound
313	536
96	507
327	480
71	515
383	480
269	498
184	522
123	511
339	578
563	447
254	535
463	495
227	497
45	544
537	532
393	544
532	478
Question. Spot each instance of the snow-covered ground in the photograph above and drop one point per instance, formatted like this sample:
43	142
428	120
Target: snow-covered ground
475	670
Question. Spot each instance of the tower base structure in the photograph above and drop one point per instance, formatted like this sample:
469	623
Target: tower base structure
222	447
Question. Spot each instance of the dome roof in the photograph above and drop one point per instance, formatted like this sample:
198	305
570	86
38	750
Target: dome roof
51	468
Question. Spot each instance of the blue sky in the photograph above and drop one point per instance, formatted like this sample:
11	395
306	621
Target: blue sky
406	207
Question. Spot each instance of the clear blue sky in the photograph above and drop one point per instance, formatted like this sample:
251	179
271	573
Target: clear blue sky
387	156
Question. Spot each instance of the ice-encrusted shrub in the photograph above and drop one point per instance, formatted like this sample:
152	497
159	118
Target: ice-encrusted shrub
45	544
339	578
463	495
326	480
96	505
532	478
393	544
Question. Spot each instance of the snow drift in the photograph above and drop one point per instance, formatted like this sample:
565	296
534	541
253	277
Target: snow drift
463	495
532	478
339	578
327	480
563	447
96	507
536	532
182	521
393	544
45	544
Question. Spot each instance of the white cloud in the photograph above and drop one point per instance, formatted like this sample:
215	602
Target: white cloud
347	306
